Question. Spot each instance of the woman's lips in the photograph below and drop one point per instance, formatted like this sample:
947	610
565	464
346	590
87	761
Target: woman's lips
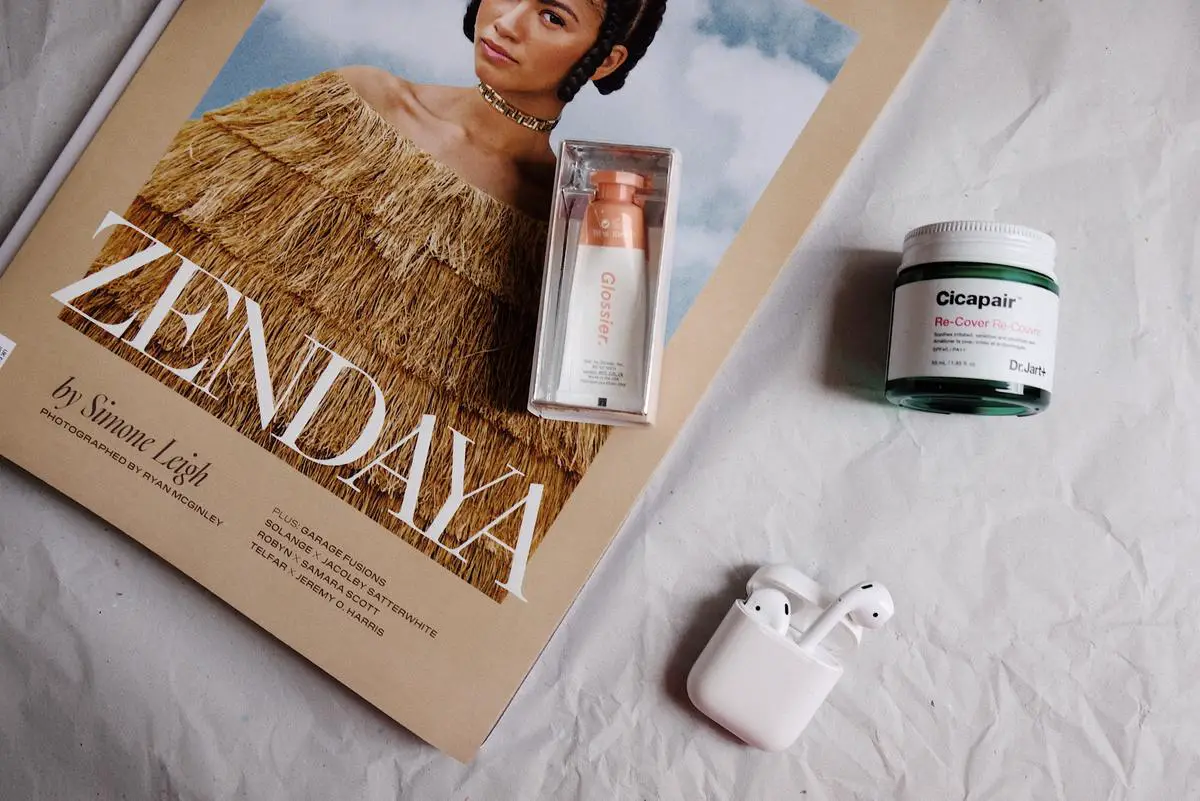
496	53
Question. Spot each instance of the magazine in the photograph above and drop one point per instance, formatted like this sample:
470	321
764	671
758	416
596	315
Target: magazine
277	325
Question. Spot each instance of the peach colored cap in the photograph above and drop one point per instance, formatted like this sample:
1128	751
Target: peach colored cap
618	177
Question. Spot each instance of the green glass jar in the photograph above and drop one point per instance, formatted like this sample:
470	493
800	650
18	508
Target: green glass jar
974	320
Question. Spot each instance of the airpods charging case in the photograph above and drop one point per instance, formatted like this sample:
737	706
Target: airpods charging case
758	684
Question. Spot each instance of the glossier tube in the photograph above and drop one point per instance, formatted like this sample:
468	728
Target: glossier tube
604	352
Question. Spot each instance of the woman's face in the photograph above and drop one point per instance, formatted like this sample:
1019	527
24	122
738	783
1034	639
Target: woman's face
530	46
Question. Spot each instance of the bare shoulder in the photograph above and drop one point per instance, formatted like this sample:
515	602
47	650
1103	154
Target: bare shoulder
378	87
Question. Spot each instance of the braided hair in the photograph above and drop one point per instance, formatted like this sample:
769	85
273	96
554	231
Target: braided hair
632	23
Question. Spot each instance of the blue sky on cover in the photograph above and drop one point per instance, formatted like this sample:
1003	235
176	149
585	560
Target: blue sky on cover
731	83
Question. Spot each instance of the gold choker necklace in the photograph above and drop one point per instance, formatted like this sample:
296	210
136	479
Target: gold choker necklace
529	121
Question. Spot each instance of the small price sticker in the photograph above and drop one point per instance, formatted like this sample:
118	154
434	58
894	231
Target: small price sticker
6	348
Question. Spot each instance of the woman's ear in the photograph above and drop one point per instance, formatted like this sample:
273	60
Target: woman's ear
615	59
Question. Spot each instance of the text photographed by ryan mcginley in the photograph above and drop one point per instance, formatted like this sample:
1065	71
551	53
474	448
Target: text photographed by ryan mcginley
278	323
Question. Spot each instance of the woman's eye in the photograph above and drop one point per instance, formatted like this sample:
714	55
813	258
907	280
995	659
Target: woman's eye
554	19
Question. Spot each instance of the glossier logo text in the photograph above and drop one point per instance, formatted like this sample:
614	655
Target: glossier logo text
608	289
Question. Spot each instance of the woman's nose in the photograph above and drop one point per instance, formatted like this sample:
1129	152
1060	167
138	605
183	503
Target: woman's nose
510	24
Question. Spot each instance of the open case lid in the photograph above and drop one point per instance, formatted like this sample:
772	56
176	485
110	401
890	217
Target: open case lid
809	600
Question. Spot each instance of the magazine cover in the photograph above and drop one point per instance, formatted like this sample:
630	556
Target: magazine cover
278	323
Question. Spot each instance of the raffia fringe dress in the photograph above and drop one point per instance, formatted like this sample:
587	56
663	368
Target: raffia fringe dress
307	201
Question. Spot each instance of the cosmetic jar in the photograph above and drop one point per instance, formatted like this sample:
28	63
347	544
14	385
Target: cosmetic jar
974	320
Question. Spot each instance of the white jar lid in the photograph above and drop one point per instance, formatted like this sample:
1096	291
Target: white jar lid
980	242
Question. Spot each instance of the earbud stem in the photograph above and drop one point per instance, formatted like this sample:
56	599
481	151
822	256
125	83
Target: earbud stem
855	603
822	627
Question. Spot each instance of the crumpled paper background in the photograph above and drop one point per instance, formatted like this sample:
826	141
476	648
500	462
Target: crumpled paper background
1045	644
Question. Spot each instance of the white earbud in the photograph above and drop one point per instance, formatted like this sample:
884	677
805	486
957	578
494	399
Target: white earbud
868	604
770	606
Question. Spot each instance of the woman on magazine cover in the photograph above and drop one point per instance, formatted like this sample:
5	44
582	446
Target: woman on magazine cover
403	225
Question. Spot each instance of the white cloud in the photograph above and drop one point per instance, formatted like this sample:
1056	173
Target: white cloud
768	111
425	32
696	245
